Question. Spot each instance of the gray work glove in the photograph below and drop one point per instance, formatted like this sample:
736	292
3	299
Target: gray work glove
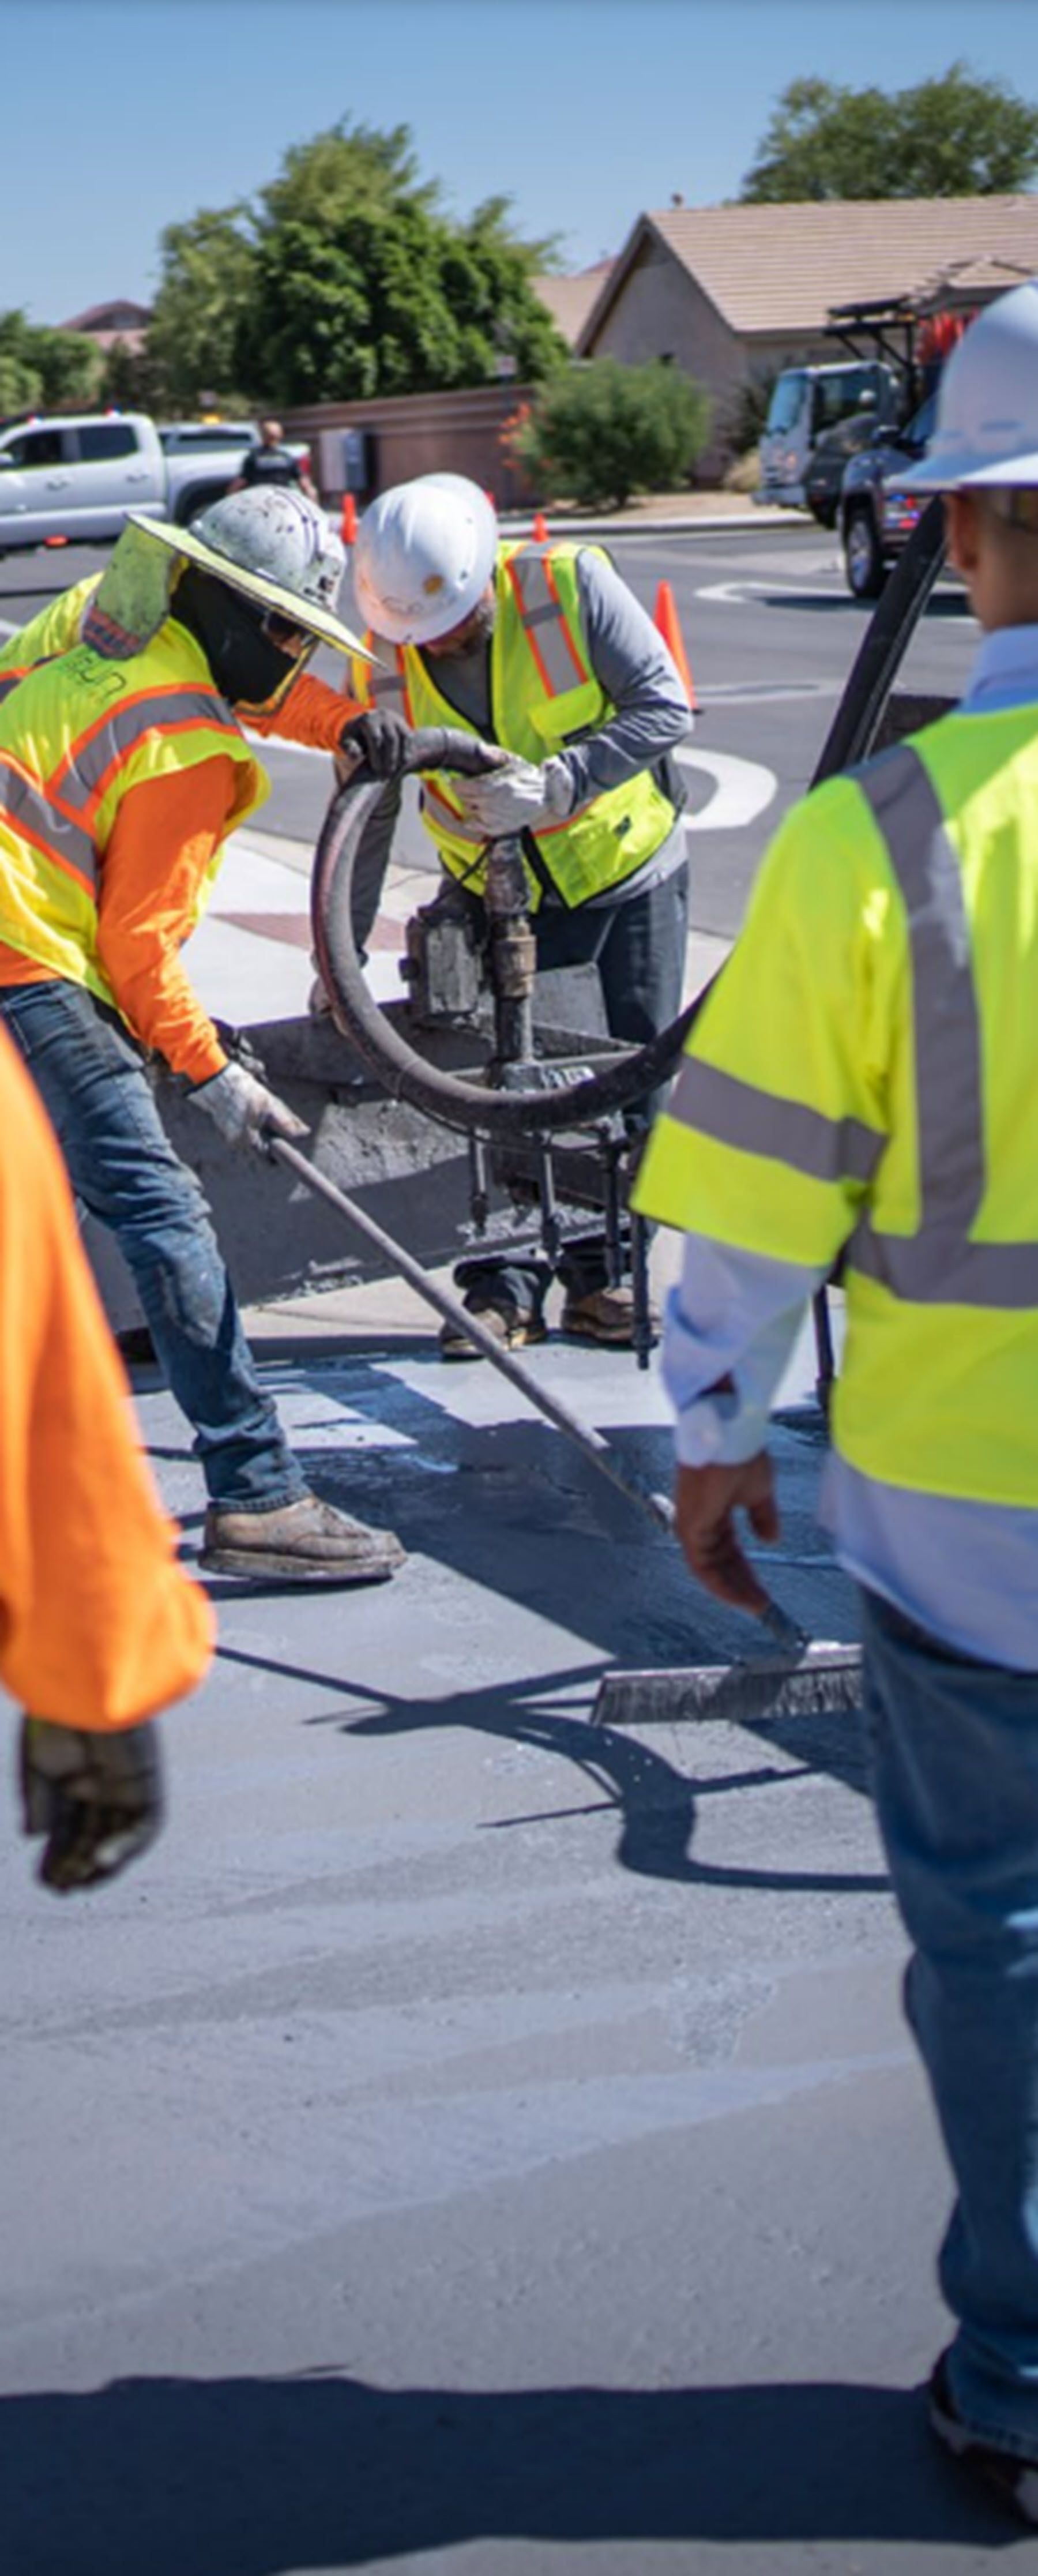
517	796
243	1109
96	1797
381	739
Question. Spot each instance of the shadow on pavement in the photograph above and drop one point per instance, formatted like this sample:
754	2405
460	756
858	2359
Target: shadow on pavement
256	2477
655	1803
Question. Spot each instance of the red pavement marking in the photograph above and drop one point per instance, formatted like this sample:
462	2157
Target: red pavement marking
293	928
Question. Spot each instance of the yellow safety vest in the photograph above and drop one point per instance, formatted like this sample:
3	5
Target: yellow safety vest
864	1075
76	733
543	695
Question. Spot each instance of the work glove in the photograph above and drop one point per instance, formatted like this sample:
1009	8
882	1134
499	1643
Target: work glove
381	739
243	1109
97	1798
517	796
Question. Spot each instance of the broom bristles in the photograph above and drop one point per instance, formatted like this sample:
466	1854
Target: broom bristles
827	1682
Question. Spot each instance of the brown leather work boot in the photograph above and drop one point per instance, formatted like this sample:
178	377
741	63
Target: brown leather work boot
304	1542
607	1315
499	1316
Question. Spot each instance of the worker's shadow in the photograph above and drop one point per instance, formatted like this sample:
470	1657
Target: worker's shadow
514	1512
262	2477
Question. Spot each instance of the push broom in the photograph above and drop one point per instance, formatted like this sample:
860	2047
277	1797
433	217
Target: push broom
795	1678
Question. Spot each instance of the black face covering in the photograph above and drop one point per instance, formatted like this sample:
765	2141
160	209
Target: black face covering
248	668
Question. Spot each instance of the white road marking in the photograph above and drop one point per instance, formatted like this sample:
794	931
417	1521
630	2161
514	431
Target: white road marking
742	790
732	593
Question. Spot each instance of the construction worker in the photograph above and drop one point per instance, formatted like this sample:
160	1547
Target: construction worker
99	1626
542	649
862	1081
123	768
271	463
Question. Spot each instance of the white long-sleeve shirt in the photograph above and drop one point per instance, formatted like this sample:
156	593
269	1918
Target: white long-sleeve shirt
966	1571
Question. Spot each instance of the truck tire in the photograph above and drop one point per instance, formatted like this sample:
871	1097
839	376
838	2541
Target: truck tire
862	554
198	498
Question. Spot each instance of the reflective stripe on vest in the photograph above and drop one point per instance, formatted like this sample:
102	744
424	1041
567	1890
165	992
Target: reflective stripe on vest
47	811
80	780
80	737
31	813
939	1265
735	1113
559	663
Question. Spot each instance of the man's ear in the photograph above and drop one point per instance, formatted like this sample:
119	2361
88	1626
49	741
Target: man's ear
962	520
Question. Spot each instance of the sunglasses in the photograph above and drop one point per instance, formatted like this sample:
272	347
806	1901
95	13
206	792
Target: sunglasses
286	638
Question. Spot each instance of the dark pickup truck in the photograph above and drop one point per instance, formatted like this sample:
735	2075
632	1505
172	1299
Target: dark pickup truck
875	519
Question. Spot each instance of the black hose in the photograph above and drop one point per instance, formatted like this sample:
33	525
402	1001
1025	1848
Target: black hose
405	1075
628	1078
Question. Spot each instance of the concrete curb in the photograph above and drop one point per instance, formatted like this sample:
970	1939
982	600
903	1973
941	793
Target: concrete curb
635	527
520	524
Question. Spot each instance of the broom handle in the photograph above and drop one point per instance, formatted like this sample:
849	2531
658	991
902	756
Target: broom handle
785	1632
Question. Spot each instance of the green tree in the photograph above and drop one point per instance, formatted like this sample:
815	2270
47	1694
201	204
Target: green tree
955	136
71	369
51	370
21	383
208	278
363	285
597	433
130	379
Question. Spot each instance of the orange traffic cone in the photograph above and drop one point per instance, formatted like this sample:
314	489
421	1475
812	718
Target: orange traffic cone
540	527
348	528
668	625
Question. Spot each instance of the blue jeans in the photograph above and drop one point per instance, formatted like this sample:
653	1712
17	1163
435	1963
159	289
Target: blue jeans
955	1754
124	1171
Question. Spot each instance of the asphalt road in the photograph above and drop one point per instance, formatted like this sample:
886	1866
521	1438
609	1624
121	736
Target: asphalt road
474	2144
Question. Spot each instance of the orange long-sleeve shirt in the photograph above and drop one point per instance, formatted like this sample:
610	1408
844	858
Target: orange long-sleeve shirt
99	1625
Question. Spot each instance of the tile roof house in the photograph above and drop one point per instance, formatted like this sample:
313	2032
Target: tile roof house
732	292
569	299
107	323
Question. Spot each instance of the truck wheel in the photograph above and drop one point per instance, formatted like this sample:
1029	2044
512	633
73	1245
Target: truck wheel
863	561
191	504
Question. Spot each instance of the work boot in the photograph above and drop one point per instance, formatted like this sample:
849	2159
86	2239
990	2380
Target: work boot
605	1315
1004	2473
499	1315
303	1542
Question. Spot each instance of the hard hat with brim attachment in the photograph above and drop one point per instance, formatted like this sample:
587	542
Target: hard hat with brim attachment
292	605
986	430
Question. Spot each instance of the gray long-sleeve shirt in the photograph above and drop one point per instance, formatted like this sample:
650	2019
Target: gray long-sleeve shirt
640	678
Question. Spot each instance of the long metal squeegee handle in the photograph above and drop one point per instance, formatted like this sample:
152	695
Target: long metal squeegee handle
451	1311
405	1075
786	1634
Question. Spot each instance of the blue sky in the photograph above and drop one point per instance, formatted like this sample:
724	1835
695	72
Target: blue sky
121	116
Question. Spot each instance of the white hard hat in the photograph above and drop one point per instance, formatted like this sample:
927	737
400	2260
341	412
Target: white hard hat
987	403
424	554
274	546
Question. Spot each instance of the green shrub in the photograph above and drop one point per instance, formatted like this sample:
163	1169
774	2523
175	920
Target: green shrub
744	474
599	432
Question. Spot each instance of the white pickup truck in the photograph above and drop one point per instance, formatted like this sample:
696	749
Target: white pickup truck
71	477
